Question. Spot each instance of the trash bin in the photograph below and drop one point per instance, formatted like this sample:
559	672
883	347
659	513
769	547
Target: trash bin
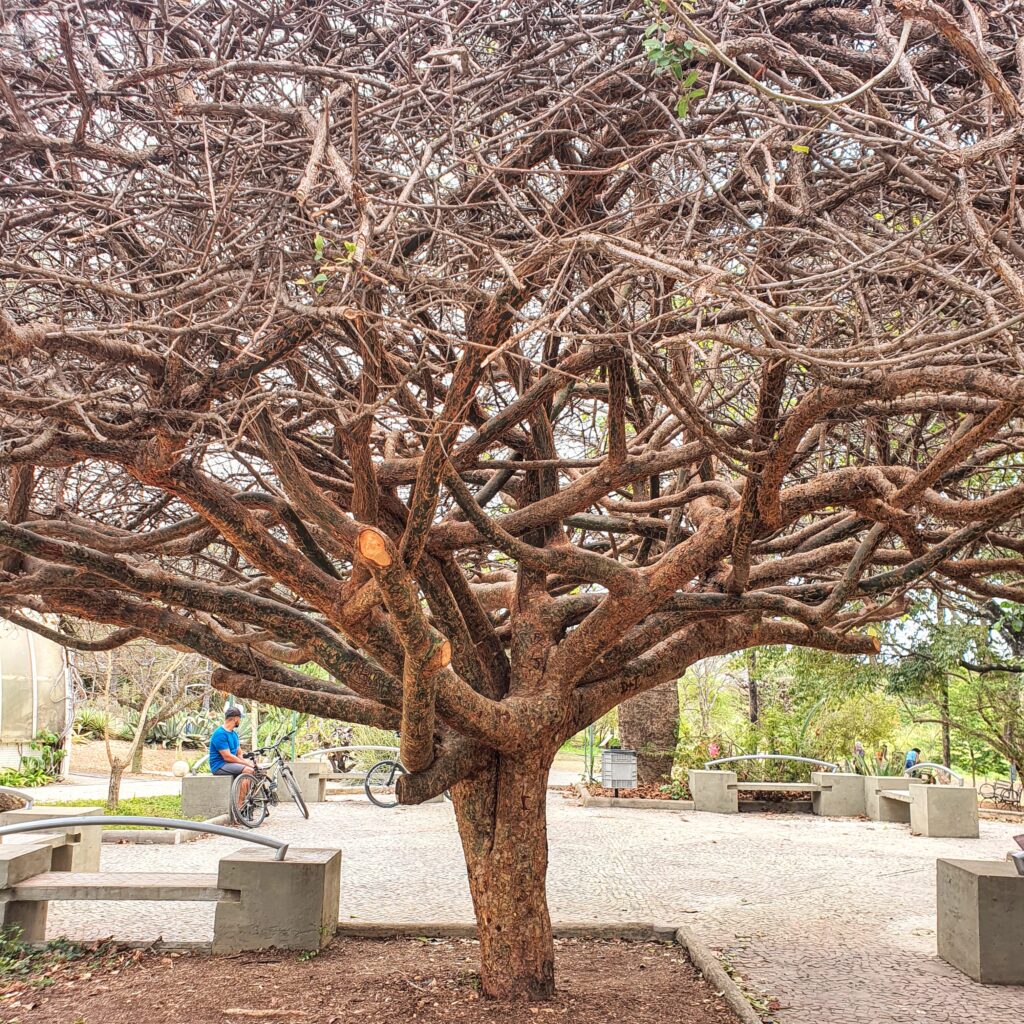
618	769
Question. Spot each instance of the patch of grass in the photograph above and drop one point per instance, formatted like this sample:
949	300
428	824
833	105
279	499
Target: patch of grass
149	806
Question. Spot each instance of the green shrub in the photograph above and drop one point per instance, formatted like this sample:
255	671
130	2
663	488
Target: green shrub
89	722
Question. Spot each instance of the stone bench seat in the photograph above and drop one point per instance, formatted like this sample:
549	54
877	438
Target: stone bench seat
777	787
121	885
260	901
896	794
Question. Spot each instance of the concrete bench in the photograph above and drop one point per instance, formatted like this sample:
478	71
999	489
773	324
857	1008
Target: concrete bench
776	787
307	776
980	919
261	901
49	886
832	793
205	796
948	812
73	849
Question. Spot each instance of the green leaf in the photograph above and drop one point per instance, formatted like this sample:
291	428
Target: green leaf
318	246
690	80
797	148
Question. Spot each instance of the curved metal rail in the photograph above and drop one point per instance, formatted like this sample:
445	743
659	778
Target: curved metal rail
333	750
305	757
938	767
49	824
30	801
772	757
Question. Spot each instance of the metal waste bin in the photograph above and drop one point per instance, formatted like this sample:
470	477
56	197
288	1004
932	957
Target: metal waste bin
618	769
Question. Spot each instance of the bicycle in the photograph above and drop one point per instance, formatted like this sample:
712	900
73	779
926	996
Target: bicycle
382	780
252	795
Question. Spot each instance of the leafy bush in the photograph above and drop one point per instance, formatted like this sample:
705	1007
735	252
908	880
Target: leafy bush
367	735
89	722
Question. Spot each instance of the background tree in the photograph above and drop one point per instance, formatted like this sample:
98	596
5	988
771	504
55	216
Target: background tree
505	359
137	673
649	724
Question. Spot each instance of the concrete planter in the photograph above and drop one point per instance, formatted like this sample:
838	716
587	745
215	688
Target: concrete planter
980	919
206	796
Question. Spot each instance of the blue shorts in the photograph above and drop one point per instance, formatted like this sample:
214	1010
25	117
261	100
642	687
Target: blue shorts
230	769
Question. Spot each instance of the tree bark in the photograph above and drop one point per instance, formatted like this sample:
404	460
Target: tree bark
503	824
947	754
114	785
649	724
753	698
137	755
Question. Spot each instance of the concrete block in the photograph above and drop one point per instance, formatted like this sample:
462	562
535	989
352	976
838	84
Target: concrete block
205	796
841	796
880	809
980	931
711	791
81	851
948	812
307	775
289	904
19	861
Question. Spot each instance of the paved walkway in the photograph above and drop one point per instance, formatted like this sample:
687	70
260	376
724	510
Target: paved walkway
834	919
94	787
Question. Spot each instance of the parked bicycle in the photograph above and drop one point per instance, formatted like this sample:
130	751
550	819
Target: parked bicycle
381	783
1004	793
252	795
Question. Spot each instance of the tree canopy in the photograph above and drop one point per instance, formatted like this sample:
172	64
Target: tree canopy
504	359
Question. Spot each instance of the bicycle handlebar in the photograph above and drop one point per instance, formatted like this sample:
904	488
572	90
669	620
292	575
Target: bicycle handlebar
267	750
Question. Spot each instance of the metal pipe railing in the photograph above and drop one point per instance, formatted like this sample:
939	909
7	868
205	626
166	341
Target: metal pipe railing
772	757
938	767
30	801
333	750
49	824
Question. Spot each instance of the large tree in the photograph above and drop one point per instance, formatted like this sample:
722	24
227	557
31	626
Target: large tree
503	359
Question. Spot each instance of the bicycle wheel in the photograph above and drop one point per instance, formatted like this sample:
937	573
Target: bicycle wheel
380	783
249	801
293	788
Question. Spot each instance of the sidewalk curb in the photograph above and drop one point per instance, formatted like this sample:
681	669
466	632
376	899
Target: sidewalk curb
587	799
159	837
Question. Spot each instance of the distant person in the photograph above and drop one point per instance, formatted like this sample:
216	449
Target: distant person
224	759
913	758
858	749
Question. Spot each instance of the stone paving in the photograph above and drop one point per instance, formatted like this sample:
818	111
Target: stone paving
833	919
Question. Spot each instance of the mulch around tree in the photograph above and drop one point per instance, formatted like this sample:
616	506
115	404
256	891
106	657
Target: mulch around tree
428	981
645	791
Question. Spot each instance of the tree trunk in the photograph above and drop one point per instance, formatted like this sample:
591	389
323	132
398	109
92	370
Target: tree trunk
503	824
946	746
649	724
137	756
114	786
753	699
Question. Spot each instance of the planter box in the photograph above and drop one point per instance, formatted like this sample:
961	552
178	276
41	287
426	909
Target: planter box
980	914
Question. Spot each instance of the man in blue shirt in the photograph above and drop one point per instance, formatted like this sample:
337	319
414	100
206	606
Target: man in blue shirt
913	756
224	759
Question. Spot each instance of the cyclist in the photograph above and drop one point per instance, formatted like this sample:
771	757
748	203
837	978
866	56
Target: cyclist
224	746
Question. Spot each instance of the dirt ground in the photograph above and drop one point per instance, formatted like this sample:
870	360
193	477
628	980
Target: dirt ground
91	758
378	981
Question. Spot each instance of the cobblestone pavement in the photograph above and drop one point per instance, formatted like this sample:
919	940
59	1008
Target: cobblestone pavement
834	919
